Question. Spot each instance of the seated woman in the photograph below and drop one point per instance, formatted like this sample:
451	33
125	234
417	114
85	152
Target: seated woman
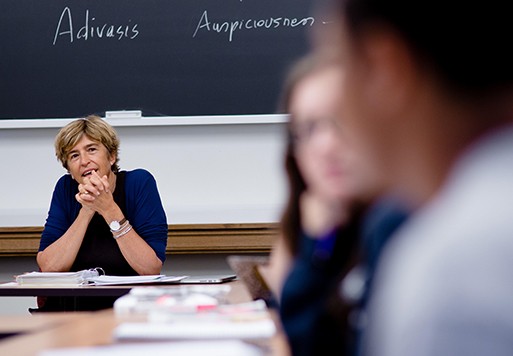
331	190
100	216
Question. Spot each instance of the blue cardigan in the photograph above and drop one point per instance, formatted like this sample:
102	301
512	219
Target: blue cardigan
143	209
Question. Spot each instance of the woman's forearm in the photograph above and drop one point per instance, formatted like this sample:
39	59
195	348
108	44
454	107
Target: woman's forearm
60	255
141	257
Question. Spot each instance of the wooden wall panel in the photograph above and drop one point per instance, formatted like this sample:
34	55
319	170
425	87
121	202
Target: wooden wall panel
182	239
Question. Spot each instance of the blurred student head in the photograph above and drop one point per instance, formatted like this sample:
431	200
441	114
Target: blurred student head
319	157
422	82
426	86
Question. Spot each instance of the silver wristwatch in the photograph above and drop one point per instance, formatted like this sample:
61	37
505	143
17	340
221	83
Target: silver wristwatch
115	225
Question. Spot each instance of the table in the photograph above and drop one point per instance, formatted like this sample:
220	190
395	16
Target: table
74	329
115	291
62	291
20	324
14	290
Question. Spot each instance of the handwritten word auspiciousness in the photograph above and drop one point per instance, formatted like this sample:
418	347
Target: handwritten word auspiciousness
66	31
230	27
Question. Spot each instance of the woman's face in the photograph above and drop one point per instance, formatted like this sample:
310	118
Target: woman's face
88	156
323	151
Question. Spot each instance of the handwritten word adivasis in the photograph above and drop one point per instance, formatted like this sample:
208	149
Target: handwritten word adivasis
230	27
66	31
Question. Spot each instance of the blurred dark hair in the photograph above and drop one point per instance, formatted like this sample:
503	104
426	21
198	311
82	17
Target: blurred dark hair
464	43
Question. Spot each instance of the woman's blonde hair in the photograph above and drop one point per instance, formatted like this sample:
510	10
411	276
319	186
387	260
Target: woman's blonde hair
93	127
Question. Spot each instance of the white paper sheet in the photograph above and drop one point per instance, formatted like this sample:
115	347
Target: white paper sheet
182	348
196	329
107	280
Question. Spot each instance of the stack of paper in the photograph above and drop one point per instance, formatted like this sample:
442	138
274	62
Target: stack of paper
184	320
167	301
57	278
90	277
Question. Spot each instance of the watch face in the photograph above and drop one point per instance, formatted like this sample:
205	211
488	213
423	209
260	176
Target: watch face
114	225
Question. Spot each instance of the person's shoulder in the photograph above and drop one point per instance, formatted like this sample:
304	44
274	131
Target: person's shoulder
140	182
138	175
65	178
65	181
65	187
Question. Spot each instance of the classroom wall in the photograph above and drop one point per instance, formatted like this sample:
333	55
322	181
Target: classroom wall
223	173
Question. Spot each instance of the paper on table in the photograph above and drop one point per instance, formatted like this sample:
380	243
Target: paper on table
8	284
182	348
199	329
120	280
92	277
154	299
58	278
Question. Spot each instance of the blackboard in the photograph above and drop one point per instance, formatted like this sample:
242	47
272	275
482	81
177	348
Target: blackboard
66	59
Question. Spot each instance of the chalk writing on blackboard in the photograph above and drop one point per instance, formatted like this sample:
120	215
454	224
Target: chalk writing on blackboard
162	57
66	29
230	27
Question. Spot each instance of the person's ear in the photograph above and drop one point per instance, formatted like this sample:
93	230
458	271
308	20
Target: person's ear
112	158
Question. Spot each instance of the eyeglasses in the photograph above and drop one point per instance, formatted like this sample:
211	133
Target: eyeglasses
303	132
